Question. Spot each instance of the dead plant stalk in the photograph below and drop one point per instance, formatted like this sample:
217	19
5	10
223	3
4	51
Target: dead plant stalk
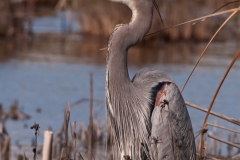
223	141
228	129
66	123
217	91
90	128
208	46
229	119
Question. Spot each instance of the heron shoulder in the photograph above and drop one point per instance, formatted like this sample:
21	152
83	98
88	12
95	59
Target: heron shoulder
150	77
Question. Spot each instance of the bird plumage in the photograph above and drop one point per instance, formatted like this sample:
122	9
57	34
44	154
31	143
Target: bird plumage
148	117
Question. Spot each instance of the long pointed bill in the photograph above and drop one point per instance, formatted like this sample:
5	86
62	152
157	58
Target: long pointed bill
156	7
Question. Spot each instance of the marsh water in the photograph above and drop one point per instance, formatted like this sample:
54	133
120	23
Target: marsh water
44	72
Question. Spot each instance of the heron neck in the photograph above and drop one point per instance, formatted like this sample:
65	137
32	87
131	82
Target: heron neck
124	37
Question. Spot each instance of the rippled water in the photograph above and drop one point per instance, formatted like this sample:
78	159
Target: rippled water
47	72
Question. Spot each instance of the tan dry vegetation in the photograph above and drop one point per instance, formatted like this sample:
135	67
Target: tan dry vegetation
99	17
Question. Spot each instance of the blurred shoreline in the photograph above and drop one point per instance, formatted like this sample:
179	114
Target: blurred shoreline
76	49
98	18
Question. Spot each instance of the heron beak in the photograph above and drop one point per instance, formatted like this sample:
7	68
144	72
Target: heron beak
158	11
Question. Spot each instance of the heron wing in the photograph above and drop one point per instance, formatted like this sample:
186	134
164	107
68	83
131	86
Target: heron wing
171	131
171	134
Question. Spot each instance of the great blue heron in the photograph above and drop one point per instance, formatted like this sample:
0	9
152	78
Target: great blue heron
148	116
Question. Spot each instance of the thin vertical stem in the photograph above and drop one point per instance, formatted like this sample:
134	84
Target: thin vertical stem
74	135
215	96
66	122
90	127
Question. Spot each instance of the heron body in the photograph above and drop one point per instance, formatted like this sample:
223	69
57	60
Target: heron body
148	116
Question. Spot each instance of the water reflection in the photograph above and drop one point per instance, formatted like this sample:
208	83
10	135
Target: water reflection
75	49
51	69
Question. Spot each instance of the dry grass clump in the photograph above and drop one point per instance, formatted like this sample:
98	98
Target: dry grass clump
99	17
15	14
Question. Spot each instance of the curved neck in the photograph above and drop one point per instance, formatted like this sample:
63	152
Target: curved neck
119	89
125	36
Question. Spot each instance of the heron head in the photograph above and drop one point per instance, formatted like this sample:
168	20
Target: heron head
136	4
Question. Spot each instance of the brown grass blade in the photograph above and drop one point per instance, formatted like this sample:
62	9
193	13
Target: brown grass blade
25	158
229	119
198	19
215	95
225	128
74	138
226	5
158	11
102	49
208	46
216	157
66	123
236	156
90	127
222	7
224	141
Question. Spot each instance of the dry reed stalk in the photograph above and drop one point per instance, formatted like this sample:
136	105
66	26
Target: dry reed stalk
25	157
196	20
55	151
229	119
66	123
47	145
62	154
228	129
95	135
236	140
223	24
224	141
82	100
82	134
236	156
229	147
218	89
214	141
74	138
226	5
80	156
90	127
217	157
211	148
5	149
220	145
205	145
58	143
36	127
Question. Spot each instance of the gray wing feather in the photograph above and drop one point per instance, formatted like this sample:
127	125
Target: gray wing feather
172	135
